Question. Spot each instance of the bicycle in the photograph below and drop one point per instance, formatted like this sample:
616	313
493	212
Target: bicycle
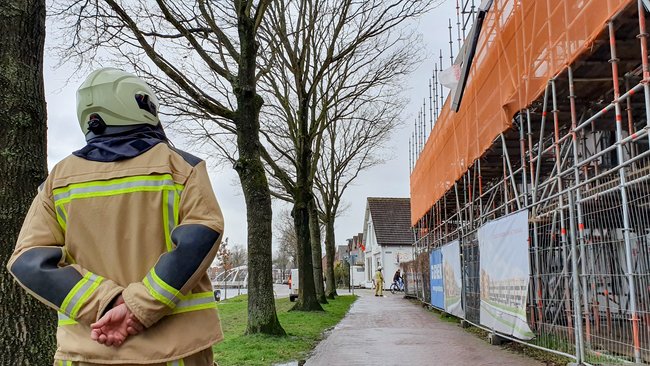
396	287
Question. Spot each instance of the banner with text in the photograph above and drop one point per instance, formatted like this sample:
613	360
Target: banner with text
437	292
504	276
452	278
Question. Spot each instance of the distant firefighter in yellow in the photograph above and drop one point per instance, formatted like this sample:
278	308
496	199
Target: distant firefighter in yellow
379	282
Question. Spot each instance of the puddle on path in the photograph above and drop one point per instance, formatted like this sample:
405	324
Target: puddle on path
291	363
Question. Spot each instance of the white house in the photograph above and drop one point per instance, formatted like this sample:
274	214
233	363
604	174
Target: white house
387	235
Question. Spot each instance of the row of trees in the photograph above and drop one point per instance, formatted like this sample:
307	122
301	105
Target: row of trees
298	95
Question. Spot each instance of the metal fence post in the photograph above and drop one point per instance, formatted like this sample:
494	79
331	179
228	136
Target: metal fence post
624	199
576	282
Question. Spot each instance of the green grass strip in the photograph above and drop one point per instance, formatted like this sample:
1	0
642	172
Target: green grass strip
304	331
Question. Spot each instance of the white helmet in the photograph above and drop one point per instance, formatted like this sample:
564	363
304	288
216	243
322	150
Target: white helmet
380	268
112	97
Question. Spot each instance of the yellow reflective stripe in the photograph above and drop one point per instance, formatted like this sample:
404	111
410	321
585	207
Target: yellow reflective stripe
180	310
160	290
109	182
171	200
72	292
115	192
177	202
61	217
65	320
96	282
164	285
165	212
142	183
194	302
80	293
157	295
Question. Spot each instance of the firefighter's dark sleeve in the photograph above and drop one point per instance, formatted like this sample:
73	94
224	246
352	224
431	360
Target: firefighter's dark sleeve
39	264
196	240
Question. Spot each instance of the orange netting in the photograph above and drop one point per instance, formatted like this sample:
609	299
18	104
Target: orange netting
522	45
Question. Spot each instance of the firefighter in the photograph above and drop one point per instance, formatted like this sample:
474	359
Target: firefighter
120	235
379	282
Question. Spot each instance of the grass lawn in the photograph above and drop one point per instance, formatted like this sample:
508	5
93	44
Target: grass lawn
304	330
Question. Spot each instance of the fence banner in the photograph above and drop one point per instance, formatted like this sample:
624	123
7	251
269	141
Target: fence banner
451	274
437	292
505	271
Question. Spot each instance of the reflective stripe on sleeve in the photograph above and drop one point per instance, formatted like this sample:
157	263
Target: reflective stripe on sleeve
80	293
194	302
62	217
65	320
170	216
160	290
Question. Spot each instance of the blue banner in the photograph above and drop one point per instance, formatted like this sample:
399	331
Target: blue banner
437	290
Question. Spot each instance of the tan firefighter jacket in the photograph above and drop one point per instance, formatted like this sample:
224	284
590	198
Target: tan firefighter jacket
147	227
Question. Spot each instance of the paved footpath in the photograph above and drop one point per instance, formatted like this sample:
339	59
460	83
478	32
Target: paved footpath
390	330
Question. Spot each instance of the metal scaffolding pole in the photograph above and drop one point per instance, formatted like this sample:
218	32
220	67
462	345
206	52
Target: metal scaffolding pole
512	175
563	232
643	40
580	355
540	145
624	199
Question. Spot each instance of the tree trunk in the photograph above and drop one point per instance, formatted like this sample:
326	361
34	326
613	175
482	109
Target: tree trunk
262	317
330	250
317	252
303	196
26	326
307	300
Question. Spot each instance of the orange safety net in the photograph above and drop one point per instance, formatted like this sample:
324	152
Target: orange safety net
522	45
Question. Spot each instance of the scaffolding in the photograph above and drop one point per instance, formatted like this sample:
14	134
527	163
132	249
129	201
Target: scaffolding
565	137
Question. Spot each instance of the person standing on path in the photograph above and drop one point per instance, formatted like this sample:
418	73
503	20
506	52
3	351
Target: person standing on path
379	282
120	235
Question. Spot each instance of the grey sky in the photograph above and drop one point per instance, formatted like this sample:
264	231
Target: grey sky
388	180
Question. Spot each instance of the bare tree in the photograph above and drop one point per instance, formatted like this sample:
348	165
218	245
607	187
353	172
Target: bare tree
351	147
322	52
286	235
224	256
26	325
238	256
201	58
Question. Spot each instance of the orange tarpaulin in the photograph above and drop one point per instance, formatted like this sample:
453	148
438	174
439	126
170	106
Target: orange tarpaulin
522	45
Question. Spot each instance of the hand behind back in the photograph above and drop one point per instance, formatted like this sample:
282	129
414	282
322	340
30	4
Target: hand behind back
116	325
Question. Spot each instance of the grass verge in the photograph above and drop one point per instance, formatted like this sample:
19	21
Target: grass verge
304	331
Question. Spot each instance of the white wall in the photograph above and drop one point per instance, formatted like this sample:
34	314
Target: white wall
389	255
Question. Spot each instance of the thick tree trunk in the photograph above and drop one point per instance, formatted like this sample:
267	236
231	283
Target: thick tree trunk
330	250
303	196
26	326
307	300
262	317
317	252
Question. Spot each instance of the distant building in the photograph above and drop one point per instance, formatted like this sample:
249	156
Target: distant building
388	236
341	253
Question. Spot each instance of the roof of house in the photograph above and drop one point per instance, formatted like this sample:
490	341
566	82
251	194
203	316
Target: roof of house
391	219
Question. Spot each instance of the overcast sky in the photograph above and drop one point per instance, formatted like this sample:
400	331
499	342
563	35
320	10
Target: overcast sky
388	180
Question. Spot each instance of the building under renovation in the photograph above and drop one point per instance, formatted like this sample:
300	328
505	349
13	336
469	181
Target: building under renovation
549	118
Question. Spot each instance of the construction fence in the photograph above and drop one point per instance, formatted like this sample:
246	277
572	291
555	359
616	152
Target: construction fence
575	164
